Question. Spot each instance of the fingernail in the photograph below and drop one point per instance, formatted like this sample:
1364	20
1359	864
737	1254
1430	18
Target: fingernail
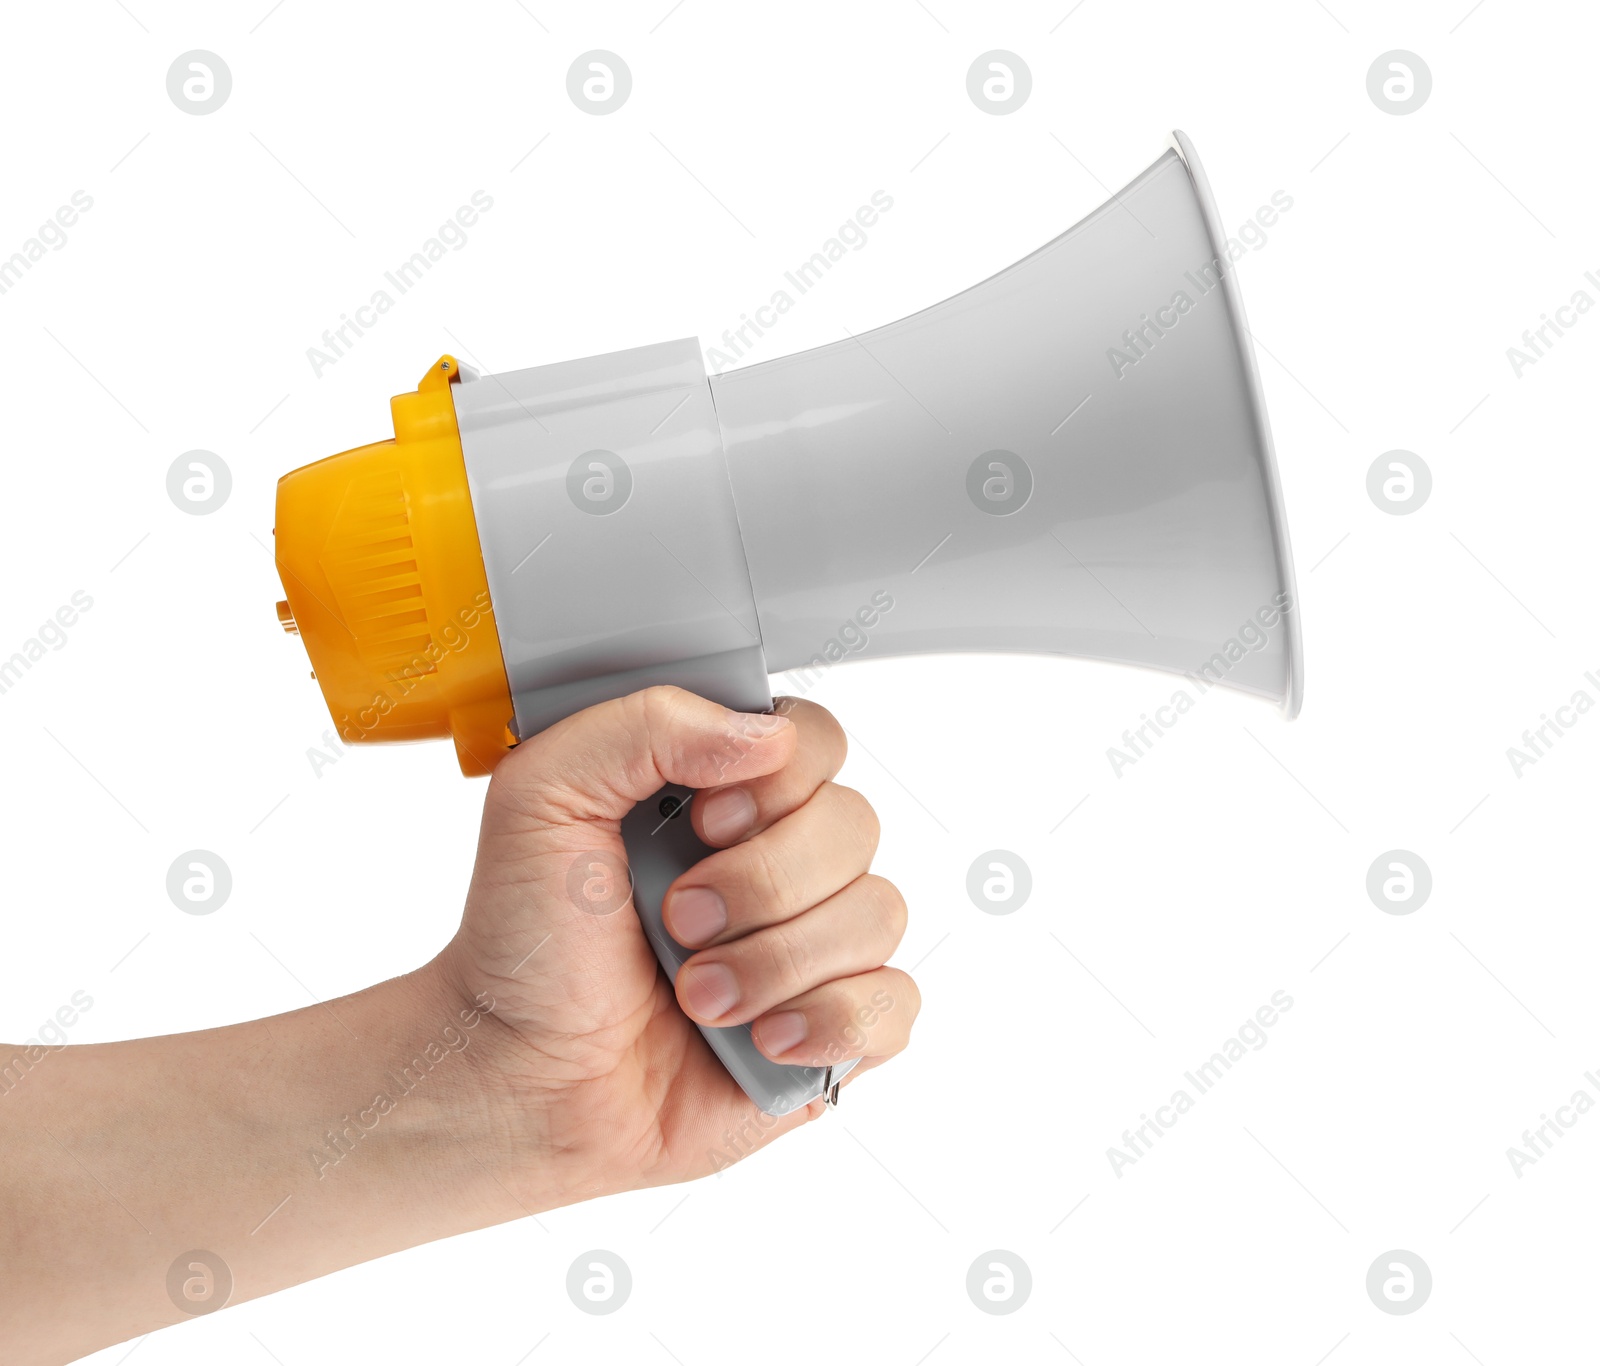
709	990
696	915
777	1034
728	815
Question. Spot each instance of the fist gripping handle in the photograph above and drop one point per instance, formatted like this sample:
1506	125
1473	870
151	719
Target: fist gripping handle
661	845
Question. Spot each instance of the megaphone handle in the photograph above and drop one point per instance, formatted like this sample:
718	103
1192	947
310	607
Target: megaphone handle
661	845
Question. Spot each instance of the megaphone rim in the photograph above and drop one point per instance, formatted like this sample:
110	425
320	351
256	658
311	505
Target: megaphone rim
1294	685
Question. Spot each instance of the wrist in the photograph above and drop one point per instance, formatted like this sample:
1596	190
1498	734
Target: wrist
416	1099
510	1120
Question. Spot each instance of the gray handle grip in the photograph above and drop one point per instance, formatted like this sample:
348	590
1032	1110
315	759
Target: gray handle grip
661	844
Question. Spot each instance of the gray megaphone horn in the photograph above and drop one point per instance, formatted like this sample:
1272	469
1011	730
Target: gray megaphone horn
1070	458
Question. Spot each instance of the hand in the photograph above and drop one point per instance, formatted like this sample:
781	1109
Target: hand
587	1050
540	1059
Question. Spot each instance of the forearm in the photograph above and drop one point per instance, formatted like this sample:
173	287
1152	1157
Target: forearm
287	1147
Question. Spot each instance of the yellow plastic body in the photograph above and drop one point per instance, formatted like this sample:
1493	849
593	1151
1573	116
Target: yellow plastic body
378	551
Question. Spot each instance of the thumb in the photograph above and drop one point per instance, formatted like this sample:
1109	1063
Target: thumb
595	765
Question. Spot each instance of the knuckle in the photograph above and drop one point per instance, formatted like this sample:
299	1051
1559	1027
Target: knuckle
858	815
769	877
749	879
660	707
787	961
662	696
634	711
902	987
832	739
823	736
854	1027
889	907
667	716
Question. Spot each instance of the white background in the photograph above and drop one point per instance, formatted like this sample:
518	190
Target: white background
1228	864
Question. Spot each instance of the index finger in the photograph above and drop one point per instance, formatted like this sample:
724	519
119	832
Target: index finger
733	812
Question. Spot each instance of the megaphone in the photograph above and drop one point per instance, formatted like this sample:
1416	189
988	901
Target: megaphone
1071	458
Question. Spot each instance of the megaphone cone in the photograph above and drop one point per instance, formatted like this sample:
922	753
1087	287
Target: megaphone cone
1072	457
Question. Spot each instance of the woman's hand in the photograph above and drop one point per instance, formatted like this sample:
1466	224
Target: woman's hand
585	1055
